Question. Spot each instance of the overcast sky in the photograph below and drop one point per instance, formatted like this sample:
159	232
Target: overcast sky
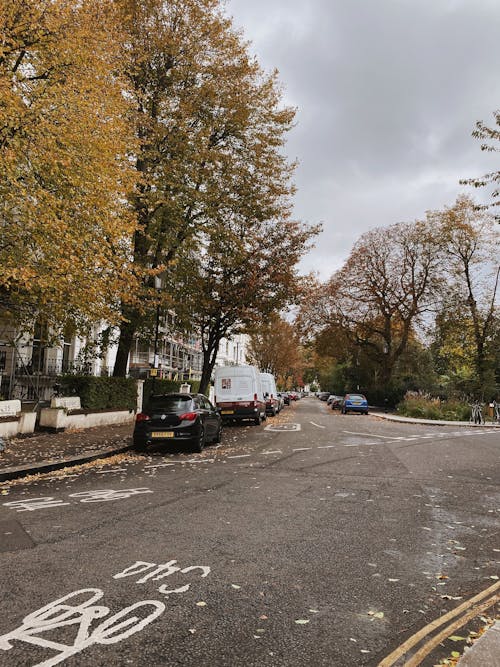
388	93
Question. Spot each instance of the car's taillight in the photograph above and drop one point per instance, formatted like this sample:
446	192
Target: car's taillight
142	417
255	397
188	416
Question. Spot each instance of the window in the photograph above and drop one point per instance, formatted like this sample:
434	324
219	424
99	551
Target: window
171	403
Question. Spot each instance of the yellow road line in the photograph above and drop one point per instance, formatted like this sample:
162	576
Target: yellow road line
424	632
449	630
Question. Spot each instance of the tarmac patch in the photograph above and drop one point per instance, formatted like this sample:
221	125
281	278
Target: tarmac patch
13	537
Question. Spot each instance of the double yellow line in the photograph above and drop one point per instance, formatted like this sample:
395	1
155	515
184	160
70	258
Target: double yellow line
467	611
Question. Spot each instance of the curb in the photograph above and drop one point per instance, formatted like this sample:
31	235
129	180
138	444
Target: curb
485	651
432	422
35	469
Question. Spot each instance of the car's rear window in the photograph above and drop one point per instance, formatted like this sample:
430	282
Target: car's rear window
170	403
356	397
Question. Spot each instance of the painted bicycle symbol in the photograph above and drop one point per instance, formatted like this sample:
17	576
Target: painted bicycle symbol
81	614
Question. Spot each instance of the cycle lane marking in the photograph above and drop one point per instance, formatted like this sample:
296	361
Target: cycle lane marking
71	611
373	435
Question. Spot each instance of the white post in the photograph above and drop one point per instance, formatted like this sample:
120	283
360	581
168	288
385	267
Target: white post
140	394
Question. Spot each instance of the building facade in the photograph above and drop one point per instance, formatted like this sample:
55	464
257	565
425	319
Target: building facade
30	364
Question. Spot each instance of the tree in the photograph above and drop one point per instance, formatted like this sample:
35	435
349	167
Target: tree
452	347
275	348
372	305
243	275
489	135
211	128
471	248
64	167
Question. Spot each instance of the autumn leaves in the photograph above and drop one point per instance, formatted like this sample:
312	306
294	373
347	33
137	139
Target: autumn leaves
141	169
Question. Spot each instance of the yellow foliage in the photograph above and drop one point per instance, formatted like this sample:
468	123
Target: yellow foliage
65	169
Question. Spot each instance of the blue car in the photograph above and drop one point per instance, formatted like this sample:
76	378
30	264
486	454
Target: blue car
354	403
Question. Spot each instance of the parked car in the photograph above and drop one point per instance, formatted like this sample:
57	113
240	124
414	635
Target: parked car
178	419
323	395
334	401
354	403
238	393
285	396
270	393
293	396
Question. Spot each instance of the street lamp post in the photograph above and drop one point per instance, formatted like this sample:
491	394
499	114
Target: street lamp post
156	358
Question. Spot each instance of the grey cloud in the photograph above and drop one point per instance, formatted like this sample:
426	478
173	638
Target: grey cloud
388	93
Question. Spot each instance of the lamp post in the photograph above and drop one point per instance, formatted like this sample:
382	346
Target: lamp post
156	359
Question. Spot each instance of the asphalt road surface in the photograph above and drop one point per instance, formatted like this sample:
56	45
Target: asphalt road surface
315	539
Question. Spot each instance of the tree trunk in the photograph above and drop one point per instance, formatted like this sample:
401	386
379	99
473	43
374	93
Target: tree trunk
209	356
206	373
127	332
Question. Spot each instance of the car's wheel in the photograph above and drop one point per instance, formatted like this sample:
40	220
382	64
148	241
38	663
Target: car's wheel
200	443
343	411
258	420
218	435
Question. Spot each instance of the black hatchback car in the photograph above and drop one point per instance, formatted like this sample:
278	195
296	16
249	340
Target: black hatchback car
178	419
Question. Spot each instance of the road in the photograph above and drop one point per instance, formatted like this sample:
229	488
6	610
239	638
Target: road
317	539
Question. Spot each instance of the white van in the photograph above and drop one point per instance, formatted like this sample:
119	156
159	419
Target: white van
270	393
238	393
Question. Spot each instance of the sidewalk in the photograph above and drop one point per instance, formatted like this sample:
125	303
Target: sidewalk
45	452
431	422
485	652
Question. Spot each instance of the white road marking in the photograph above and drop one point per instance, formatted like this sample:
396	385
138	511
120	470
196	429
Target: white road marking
318	425
114	629
277	451
301	449
326	446
105	472
283	428
240	456
373	435
158	465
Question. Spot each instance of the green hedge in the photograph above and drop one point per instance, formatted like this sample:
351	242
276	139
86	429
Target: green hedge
101	393
109	393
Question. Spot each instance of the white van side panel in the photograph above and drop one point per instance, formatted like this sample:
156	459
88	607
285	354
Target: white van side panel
268	384
237	383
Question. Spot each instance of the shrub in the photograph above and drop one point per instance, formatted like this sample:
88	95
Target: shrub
101	393
425	406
